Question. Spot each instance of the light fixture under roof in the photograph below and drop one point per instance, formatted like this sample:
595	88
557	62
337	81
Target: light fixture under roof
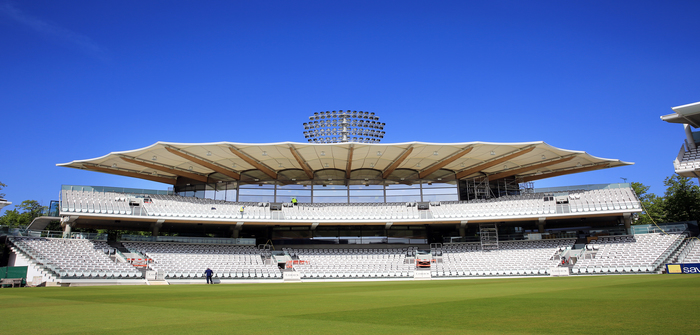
280	165
544	157
371	165
264	153
114	165
323	153
154	158
234	165
190	168
418	165
435	153
326	165
343	126
505	166
578	164
379	153
493	152
208	153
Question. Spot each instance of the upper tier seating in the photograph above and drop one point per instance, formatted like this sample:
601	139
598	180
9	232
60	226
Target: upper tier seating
536	204
511	258
690	160
188	261
627	254
353	263
540	203
73	258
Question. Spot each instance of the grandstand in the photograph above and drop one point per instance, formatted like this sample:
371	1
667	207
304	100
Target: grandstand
687	162
350	209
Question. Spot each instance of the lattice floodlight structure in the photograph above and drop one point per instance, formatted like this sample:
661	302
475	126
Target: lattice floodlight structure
344	126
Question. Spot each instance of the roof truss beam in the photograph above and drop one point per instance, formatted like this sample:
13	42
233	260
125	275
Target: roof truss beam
439	165
567	171
258	165
121	172
166	169
529	168
207	164
494	162
397	162
302	162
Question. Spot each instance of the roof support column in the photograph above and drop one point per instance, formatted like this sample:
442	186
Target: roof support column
155	227
540	225
689	136
627	219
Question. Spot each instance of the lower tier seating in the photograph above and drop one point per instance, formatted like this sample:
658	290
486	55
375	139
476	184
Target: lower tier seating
627	254
75	258
353	263
512	258
189	261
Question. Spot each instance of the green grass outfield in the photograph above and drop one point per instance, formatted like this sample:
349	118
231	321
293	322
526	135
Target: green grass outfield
647	304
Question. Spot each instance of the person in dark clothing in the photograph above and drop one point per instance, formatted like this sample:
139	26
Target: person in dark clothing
209	273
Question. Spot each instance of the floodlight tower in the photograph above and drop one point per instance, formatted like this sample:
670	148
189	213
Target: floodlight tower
344	126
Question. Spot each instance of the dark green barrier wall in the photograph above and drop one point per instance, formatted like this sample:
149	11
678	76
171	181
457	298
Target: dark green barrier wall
14	272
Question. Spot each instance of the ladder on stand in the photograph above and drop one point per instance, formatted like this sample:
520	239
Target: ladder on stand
489	236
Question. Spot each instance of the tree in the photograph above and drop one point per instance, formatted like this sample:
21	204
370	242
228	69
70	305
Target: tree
30	209
653	205
2	195
682	199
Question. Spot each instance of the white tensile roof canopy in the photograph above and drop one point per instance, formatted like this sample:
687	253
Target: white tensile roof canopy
356	163
689	114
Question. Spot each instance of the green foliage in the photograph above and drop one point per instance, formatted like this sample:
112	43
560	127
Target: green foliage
2	195
23	214
682	199
654	210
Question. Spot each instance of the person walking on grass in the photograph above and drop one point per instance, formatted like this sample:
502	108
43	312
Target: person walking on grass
209	273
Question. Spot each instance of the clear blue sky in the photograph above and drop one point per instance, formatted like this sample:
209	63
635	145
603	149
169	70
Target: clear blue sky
79	79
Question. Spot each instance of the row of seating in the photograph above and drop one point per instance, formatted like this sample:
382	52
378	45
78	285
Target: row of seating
189	207
75	258
511	258
181	260
639	253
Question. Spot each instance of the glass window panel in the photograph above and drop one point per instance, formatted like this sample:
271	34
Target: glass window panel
220	195
403	198
253	191
258	186
292	187
439	185
401	186
368	187
329	187
367	193
199	194
366	199
256	198
304	192
301	200
403	192
330	199
440	191
209	194
231	195
330	193
440	197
